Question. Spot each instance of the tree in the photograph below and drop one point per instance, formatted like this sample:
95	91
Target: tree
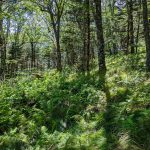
2	49
55	9
146	33
88	35
130	25
33	32
100	38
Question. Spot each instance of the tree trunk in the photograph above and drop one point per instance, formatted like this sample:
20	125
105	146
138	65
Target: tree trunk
56	27
33	54
131	28
138	31
100	38
88	36
59	66
84	51
146	33
2	49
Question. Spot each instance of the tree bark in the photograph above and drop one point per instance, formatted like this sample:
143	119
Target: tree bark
33	57
146	33
2	49
131	25
100	38
88	35
56	28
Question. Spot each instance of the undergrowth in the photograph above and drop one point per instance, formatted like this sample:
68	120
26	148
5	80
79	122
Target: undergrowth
69	111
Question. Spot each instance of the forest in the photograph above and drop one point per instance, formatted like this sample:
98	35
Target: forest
74	75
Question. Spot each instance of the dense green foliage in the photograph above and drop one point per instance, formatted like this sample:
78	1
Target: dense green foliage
74	75
72	111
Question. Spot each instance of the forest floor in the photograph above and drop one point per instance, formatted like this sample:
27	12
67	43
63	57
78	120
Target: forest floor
72	111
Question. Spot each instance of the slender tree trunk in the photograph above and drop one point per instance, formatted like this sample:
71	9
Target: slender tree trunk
131	27
146	33
84	51
6	40
88	35
59	65
83	29
33	54
100	38
56	27
2	49
128	32
113	50
138	31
